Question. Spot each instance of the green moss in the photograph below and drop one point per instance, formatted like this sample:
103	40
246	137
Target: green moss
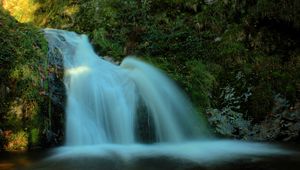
34	136
24	50
200	83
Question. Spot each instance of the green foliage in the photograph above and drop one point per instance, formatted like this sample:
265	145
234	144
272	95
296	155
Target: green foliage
17	141
54	13
199	83
106	46
34	136
22	52
282	10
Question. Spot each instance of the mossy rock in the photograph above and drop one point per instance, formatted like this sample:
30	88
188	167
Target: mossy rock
23	83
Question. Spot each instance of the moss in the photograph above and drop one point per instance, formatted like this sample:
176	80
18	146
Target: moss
34	136
200	83
24	50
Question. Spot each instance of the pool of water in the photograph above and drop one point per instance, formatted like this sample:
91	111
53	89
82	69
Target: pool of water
21	160
37	160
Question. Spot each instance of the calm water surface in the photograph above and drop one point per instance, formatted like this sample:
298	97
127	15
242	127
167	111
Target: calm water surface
35	160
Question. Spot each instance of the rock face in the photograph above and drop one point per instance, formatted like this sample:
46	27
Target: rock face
31	90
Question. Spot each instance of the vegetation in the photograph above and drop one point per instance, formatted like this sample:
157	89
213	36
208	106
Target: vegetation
233	58
24	70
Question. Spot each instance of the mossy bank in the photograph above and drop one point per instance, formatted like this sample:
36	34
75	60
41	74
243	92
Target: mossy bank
25	104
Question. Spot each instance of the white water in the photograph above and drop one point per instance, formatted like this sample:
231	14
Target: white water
103	100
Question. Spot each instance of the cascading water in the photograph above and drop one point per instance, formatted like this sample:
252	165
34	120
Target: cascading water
103	100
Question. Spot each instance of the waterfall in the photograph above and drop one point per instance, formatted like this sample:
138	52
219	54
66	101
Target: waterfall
104	102
103	98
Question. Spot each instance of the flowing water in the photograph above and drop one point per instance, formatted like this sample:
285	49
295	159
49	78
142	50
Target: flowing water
103	98
104	104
